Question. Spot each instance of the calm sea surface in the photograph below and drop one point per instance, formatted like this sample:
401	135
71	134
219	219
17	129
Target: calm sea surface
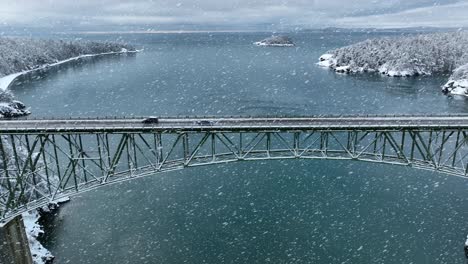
259	212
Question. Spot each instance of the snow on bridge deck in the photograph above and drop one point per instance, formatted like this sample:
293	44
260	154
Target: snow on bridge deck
231	124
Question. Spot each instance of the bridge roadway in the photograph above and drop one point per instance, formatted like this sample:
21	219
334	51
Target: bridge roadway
232	124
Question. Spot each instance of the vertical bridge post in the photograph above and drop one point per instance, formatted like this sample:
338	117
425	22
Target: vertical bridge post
16	248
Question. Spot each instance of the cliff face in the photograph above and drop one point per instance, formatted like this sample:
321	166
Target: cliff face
19	55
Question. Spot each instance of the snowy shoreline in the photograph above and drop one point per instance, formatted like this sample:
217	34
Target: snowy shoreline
261	44
33	229
329	61
7	81
458	82
438	53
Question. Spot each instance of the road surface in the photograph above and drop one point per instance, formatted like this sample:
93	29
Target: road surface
232	124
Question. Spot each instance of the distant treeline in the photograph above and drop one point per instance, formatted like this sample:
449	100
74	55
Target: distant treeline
20	54
402	56
437	53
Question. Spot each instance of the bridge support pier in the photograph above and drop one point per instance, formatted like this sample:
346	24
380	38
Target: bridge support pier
16	246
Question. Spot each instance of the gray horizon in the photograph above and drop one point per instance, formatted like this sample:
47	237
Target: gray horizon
193	15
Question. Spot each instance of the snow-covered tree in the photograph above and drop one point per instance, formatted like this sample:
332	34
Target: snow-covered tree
403	56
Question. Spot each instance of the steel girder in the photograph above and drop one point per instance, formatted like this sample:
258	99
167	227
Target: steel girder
36	169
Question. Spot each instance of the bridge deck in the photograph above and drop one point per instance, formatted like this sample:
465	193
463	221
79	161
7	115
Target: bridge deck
232	123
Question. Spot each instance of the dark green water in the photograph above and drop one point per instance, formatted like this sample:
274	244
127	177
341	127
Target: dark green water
278	212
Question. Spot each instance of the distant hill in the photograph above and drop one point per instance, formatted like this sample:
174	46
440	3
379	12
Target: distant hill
403	30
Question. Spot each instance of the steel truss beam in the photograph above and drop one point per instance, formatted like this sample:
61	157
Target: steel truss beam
39	168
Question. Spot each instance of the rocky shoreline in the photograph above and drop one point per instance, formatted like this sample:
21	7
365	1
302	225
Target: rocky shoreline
34	230
438	53
458	82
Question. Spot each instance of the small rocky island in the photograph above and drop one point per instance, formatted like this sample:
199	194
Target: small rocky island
19	56
276	41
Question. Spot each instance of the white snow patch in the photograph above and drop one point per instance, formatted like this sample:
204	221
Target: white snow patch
399	73
6	81
327	60
343	69
458	91
458	82
262	44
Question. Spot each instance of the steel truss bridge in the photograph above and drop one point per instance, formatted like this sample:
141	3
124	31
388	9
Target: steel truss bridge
44	160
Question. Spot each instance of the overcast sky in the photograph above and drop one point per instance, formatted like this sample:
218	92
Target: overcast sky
232	14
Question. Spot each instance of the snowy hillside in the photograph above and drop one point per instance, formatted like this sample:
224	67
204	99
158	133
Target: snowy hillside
19	55
404	56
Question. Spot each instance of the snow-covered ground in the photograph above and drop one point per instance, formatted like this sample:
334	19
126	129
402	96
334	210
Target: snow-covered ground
407	56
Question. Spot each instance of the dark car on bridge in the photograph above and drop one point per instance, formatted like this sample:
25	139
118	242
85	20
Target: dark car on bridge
151	120
204	123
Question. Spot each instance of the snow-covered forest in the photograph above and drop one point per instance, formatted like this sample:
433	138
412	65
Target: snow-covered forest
20	54
24	54
437	53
